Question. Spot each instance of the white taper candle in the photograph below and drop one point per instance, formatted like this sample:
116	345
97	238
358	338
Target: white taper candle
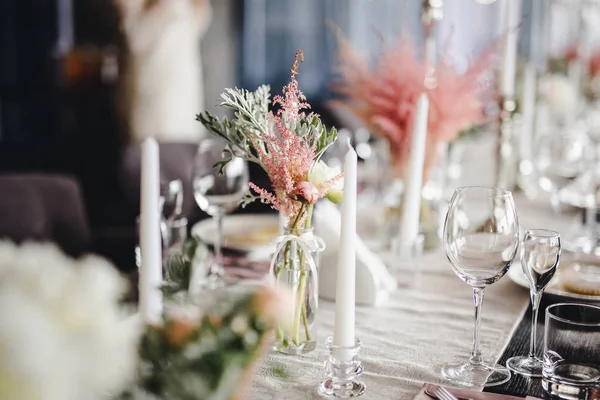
409	230
343	334
150	273
528	102
511	14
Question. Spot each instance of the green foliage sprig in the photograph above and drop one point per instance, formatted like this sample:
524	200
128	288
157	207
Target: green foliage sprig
179	267
252	118
206	359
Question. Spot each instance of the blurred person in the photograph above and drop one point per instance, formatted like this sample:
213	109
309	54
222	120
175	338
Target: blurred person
163	79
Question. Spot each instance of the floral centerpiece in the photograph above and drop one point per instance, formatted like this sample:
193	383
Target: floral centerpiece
205	353
209	356
384	97
582	74
287	144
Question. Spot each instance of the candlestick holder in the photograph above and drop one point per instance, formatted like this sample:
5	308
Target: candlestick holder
506	151
408	251
343	369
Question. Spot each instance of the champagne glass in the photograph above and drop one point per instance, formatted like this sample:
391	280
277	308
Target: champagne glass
218	193
540	254
481	238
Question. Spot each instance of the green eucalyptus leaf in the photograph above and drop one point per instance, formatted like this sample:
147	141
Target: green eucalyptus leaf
178	268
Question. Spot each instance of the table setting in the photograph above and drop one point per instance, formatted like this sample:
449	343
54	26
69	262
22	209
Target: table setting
387	267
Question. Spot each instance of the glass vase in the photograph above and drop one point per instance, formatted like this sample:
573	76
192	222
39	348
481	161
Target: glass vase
432	194
294	268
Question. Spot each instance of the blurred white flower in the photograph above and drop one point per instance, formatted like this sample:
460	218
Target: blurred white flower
321	173
62	335
560	94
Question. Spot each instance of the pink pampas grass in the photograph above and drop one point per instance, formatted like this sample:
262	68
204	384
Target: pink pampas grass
384	96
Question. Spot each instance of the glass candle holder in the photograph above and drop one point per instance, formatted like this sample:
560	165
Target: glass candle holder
343	368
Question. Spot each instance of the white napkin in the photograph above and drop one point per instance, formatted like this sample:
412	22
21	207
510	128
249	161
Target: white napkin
374	283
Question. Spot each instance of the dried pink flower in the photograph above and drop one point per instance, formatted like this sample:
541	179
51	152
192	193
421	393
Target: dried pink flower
293	100
288	157
384	97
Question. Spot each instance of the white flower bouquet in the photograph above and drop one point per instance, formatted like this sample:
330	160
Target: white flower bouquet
62	335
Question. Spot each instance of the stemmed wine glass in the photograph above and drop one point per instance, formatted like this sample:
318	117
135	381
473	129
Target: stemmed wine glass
540	254
558	161
481	238
218	193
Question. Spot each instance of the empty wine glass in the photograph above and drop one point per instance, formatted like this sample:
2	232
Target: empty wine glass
560	158
218	193
540	254
481	238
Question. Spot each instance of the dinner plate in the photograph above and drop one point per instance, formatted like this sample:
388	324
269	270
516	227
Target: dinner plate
247	234
515	273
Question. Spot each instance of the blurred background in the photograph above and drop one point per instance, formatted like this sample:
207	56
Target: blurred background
82	82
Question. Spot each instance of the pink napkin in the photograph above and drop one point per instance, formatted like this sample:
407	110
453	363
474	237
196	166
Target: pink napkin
241	268
468	394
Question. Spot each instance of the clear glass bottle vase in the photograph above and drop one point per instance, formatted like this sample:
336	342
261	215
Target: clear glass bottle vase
294	268
435	176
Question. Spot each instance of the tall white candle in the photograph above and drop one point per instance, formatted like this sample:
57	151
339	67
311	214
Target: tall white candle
511	14
150	273
528	110
409	230
536	31
343	334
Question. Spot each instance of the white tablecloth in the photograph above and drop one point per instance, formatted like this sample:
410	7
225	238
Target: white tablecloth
426	322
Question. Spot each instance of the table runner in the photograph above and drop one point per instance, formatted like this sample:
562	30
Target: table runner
406	341
428	321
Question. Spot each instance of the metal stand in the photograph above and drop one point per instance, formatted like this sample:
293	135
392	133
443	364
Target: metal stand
343	369
431	13
506	151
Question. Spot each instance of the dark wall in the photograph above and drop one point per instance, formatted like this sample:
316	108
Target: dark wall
28	90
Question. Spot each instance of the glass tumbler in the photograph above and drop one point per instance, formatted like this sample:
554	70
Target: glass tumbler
572	352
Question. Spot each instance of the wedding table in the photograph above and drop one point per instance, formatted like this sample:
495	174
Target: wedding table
427	321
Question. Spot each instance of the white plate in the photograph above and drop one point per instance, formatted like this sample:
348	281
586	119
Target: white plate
247	233
515	273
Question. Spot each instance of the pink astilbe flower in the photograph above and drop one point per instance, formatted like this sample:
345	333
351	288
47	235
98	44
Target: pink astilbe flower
287	160
293	100
594	65
385	96
288	157
572	54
